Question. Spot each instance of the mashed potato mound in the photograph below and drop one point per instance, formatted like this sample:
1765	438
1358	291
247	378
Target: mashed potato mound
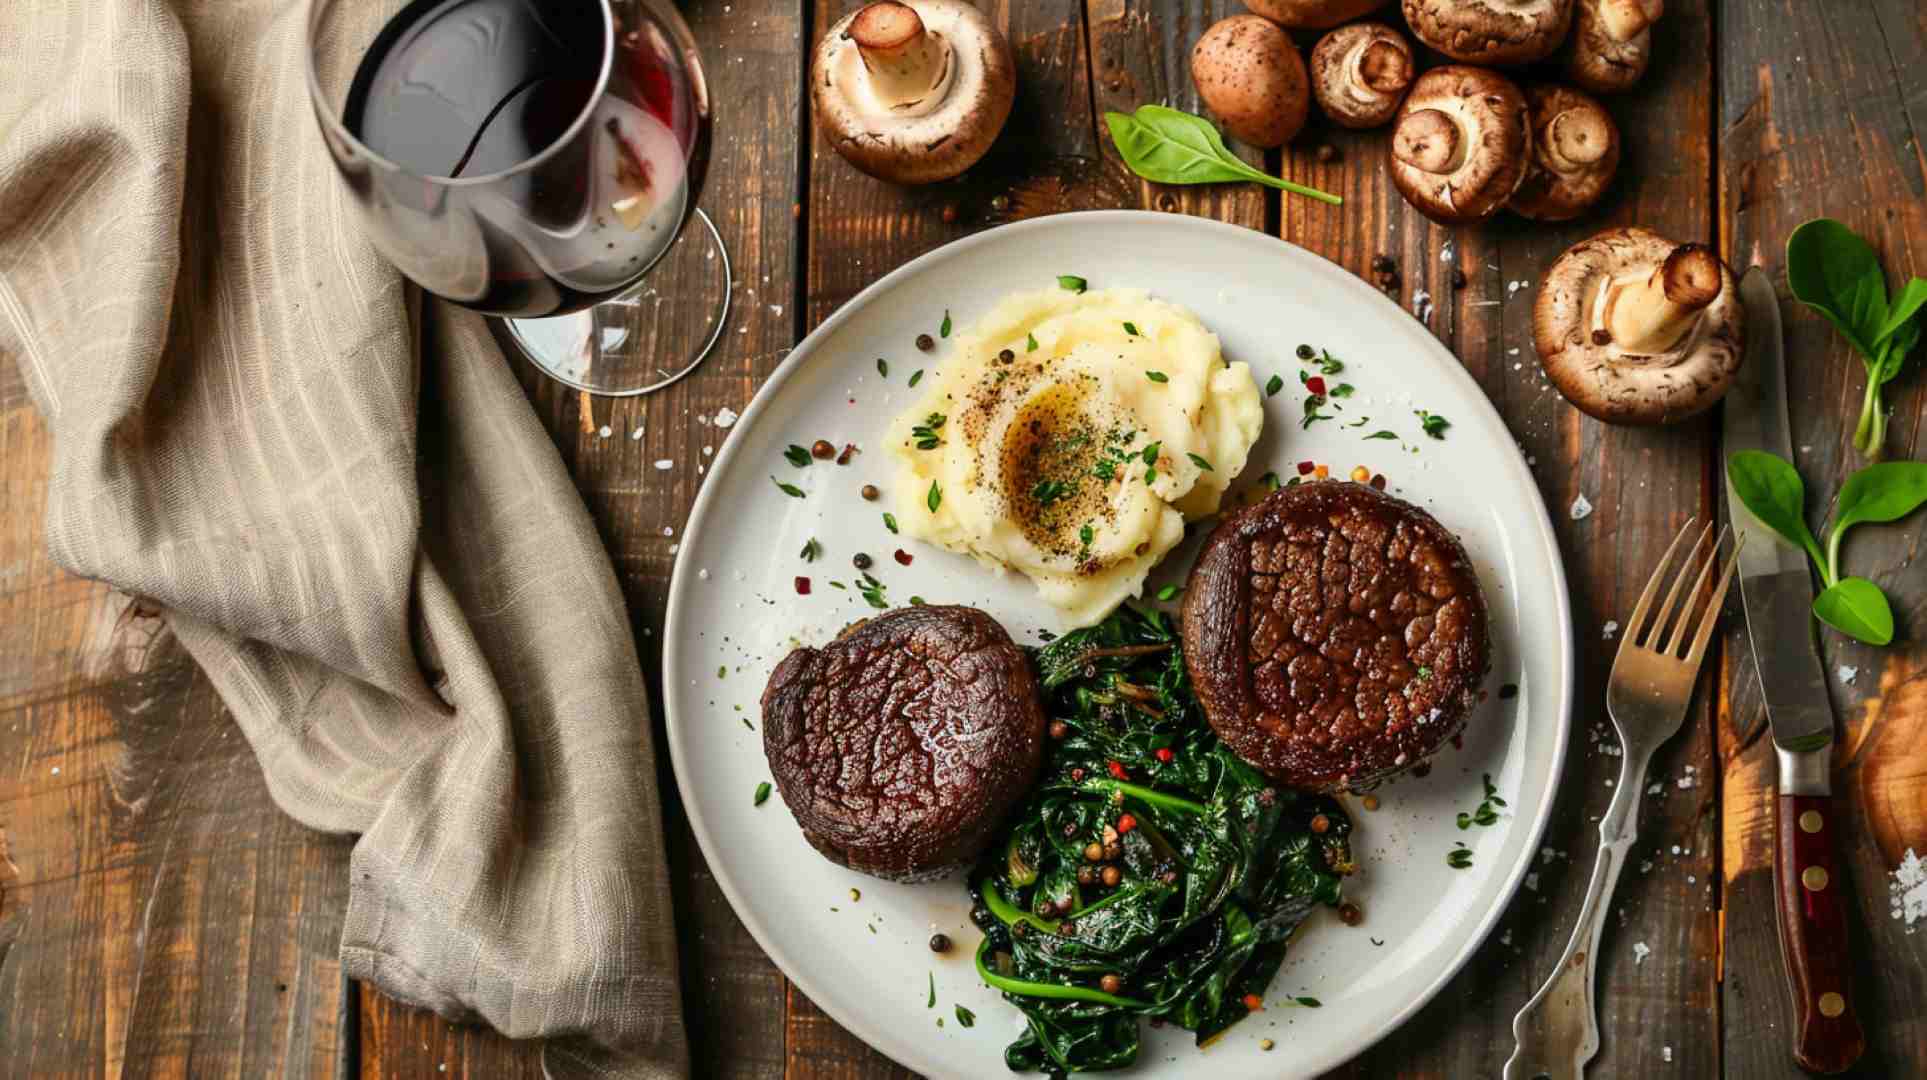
1069	437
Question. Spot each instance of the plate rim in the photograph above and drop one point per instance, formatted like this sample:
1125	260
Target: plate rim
791	363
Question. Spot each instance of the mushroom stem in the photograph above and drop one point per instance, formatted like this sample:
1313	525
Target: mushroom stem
1625	19
907	65
1429	140
1381	67
1650	316
1578	137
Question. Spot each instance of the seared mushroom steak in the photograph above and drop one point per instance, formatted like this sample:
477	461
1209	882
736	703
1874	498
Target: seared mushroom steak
901	745
1335	635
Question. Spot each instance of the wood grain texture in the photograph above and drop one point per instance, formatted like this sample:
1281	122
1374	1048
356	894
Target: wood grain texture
1660	1012
1818	120
158	915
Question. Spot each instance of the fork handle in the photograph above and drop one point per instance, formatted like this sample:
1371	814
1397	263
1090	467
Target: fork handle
1813	935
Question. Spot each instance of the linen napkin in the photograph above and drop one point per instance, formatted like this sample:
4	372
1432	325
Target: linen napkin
350	513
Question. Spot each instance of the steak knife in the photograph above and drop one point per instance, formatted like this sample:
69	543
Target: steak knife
1777	590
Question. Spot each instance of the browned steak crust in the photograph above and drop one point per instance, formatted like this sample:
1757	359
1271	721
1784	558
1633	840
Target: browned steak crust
901	745
1335	635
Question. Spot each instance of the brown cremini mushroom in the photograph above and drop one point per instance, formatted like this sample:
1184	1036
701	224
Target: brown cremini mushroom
1635	329
1360	73
1250	75
913	92
1461	144
1575	151
1491	31
1610	44
1313	14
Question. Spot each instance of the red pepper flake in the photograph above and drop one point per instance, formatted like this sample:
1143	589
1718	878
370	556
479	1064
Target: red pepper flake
904	557
1315	384
1254	1002
802	586
1117	770
1125	824
1305	467
1166	754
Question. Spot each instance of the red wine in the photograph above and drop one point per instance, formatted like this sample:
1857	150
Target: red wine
574	185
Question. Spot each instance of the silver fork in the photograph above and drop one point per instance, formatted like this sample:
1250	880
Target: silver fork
1558	1030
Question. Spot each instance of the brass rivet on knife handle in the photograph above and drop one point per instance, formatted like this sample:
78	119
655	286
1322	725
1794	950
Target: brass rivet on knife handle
1832	1004
1814	878
1810	821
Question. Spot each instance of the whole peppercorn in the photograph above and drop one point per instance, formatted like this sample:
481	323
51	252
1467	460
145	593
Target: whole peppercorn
870	492
1094	851
1111	876
1111	984
939	943
926	342
1059	729
1005	356
980	915
1350	914
1458	278
1306	352
860	561
823	450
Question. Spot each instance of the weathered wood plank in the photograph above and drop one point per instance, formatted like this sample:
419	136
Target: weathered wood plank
158	915
1816	121
1642	485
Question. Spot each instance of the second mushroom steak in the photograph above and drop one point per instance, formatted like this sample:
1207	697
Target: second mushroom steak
1636	329
913	92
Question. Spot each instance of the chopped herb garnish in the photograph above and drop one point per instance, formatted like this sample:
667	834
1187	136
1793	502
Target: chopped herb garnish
1342	390
916	601
1150	454
1273	385
1049	491
1360	422
926	432
1382	434
1485	813
1329	364
935	498
932	1003
722	671
1157	376
797	456
1200	462
1072	282
1424	671
916	377
1459	858
944	330
762	793
889	521
1105	470
965	1017
872	591
839	585
1169	593
1312	415
791	490
883	367
1304	378
1270	481
1308	1002
1030	342
1492	793
811	550
1086	535
1432	423
1150	477
1131	329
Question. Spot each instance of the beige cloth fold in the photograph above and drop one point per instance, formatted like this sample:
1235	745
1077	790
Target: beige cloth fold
351	514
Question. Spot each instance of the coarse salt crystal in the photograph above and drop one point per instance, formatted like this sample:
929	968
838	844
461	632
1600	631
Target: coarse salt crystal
726	417
605	431
1581	508
636	434
1666	1053
1532	881
1847	674
1685	782
1640	952
1609	630
703	574
1908	889
1422	305
665	465
1655	788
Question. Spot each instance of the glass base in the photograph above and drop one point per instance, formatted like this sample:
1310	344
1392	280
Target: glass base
645	339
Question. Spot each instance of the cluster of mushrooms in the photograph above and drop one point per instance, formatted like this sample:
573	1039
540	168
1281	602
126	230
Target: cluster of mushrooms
1632	328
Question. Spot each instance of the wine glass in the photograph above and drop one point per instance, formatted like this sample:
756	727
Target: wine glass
531	159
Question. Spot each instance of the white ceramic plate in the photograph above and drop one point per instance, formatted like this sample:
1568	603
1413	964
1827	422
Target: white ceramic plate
734	611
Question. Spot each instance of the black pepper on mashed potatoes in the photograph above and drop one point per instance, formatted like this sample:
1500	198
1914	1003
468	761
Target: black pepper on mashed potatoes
1069	436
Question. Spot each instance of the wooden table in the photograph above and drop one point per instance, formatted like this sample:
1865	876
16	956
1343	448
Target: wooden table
158	915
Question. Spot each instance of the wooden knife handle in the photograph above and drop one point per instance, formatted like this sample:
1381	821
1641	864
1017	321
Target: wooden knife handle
1813	935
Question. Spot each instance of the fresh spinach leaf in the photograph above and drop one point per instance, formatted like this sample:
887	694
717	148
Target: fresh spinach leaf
1882	492
1856	607
1173	147
1771	490
1835	272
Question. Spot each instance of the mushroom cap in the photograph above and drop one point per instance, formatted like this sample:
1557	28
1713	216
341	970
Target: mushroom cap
1606	380
929	140
1491	31
1597	57
1461	144
1250	75
1313	14
1575	151
1360	73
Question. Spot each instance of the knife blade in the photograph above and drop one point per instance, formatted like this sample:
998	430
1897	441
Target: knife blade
1776	587
1777	591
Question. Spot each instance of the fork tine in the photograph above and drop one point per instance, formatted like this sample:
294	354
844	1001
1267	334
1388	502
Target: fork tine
1712	616
1638	618
1665	613
1699	585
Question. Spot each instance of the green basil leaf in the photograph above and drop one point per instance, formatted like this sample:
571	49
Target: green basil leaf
1771	490
1856	607
1173	147
1832	270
